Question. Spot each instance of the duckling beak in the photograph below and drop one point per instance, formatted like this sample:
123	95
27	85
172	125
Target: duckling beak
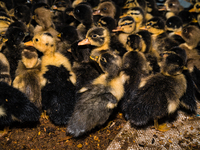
97	12
194	20
33	17
178	33
84	42
94	58
162	8
143	28
124	15
117	29
29	43
71	13
192	10
59	35
54	7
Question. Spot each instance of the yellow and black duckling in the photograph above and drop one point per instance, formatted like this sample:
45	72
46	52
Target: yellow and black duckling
27	76
98	99
161	41
5	21
14	105
13	47
107	8
134	68
172	25
135	3
138	15
83	13
159	95
56	78
173	7
126	26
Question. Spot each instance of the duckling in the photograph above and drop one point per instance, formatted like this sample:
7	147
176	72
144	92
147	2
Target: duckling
173	7
142	42
67	35
83	13
5	21
13	48
107	22
134	67
159	95
27	79
107	8
135	3
98	99
152	9
172	25
138	15
126	26
161	42
43	17
45	43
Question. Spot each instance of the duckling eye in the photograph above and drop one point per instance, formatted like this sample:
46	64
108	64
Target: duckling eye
185	30
36	40
131	13
94	35
170	4
126	23
197	6
20	33
103	59
104	8
77	11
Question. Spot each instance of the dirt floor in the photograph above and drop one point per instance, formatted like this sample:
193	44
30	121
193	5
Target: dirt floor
116	134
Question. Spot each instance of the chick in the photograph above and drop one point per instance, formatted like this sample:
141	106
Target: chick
27	76
98	99
159	95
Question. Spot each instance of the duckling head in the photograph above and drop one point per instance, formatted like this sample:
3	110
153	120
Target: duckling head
155	25
126	24
173	6
110	63
97	36
44	42
22	13
137	13
15	35
106	8
107	22
174	24
83	13
172	64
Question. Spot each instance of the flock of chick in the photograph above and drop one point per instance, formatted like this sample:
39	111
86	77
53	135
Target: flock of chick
78	61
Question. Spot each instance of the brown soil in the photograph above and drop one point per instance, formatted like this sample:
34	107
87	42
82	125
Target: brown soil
48	136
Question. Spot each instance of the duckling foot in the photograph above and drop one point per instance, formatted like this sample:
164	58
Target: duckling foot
4	132
162	127
44	115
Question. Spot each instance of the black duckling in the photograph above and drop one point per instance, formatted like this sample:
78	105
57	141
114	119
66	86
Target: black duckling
107	8
13	47
172	25
83	13
161	41
126	26
27	76
98	99
159	95
134	67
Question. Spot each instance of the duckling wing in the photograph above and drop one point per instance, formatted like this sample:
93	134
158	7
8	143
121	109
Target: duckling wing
15	106
58	96
92	109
